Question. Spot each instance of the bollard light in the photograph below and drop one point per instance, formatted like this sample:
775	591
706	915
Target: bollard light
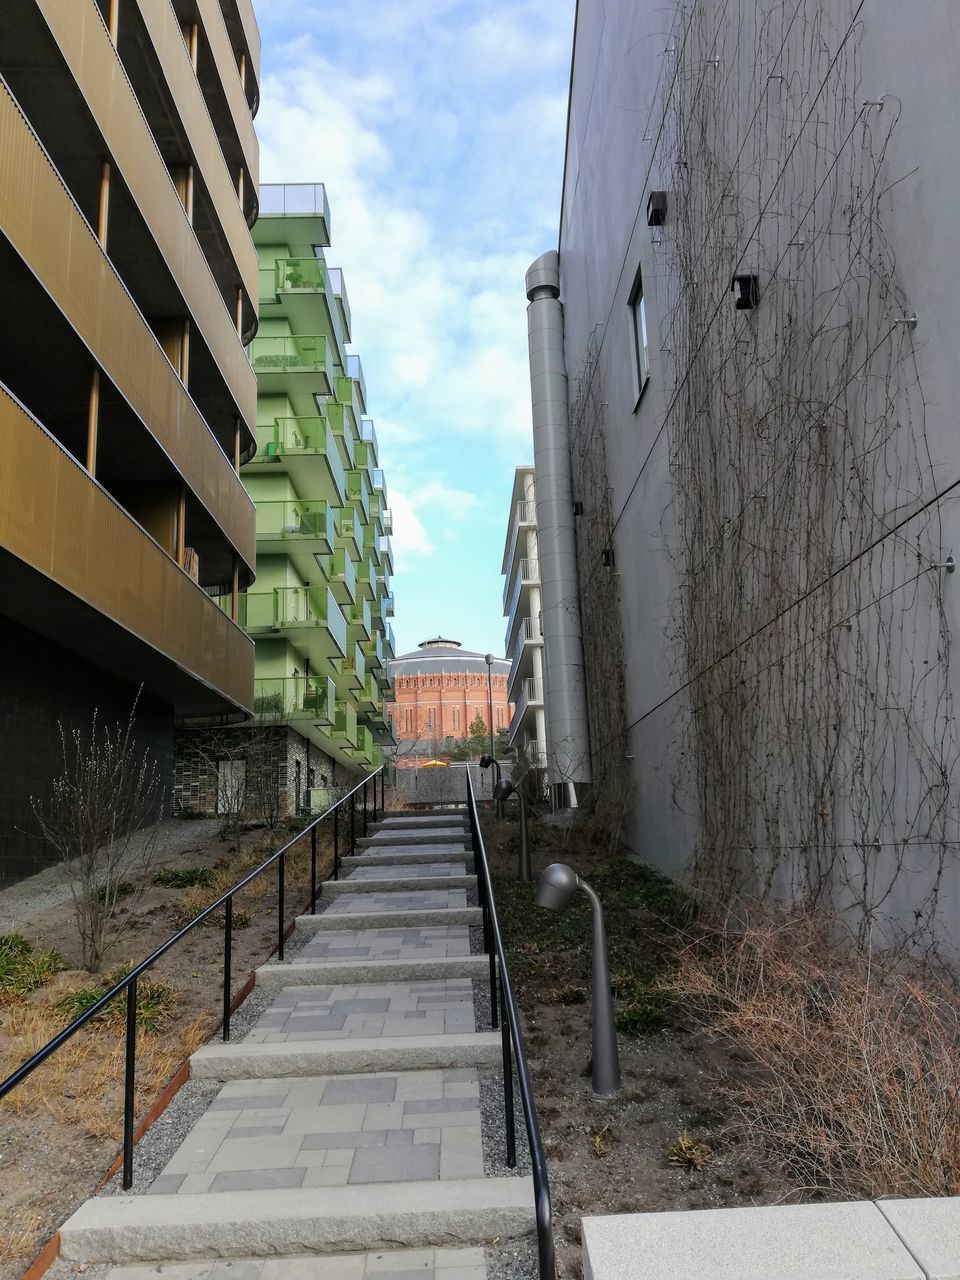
502	791
556	886
485	763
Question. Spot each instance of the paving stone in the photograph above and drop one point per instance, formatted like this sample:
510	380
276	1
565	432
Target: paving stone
930	1229
370	1089
257	1180
396	1164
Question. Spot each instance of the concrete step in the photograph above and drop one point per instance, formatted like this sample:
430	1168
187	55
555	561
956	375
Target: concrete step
258	1224
387	944
414	835
397	884
406	857
276	977
413	919
399	821
247	1061
466	1263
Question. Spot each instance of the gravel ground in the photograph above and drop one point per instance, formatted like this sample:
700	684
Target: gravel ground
159	1144
51	887
515	1260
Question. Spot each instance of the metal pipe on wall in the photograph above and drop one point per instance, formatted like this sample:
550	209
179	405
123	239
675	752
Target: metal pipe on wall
565	688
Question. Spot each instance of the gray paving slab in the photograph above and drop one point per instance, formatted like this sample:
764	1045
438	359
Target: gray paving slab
389	944
851	1241
264	1134
930	1229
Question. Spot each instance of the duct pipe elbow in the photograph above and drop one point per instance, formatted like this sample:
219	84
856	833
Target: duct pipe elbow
543	277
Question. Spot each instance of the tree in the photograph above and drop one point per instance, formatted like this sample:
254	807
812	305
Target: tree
101	820
479	734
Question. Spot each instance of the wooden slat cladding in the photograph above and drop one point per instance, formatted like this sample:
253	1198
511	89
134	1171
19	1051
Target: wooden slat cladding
40	219
211	19
89	53
60	522
163	28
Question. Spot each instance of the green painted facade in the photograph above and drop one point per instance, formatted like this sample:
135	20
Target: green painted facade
321	605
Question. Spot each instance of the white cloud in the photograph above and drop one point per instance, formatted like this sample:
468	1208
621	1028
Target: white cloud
410	538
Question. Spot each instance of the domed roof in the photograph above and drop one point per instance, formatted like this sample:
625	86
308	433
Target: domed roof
440	656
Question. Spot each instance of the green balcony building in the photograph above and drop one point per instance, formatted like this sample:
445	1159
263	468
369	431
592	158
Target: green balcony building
319	608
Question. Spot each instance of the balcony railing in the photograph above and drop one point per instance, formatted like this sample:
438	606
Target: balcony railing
299	274
299	353
360	620
353	668
374	650
524	518
355	371
341	576
528	575
298	438
386	519
368	434
299	519
295	198
339	291
390	642
358	493
294	607
527	634
295	698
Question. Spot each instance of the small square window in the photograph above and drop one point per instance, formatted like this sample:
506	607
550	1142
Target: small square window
641	344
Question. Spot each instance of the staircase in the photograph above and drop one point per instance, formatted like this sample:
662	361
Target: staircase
348	1120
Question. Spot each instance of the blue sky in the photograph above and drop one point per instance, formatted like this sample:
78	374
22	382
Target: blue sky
438	129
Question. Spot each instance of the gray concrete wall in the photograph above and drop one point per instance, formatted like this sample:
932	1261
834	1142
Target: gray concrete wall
757	162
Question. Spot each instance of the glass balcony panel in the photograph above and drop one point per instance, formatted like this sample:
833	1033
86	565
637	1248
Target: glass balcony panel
300	519
355	371
291	198
286	353
288	608
291	698
299	275
339	291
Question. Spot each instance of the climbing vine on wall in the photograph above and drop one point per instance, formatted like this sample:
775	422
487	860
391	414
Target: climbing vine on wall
810	636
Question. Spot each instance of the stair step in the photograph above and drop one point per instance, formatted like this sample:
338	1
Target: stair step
406	857
425	917
397	884
464	1263
414	836
325	1057
324	972
421	820
244	1224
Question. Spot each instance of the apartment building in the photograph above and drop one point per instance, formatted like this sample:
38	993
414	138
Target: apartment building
756	300
523	640
128	183
320	609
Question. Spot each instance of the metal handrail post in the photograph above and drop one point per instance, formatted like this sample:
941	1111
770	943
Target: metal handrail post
129	1083
364	808
280	906
313	871
508	1115
227	963
336	844
353	825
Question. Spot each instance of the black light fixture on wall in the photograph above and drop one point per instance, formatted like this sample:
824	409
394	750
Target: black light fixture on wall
749	286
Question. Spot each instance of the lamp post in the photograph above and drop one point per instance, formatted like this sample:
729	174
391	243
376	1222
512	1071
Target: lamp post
489	659
501	791
557	885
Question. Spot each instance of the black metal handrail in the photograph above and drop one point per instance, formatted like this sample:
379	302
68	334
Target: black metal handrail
129	982
511	1038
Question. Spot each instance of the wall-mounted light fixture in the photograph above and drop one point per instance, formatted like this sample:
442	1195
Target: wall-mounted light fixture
656	208
749	286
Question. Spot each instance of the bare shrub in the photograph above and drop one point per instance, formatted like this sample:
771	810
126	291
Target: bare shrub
858	1056
101	820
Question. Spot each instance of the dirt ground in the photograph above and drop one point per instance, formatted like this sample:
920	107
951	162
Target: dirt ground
60	1130
614	1155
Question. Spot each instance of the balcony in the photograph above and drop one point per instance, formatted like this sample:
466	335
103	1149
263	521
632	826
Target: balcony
381	610
309	616
296	699
303	530
345	430
386	520
299	275
531	698
344	729
390	643
368	434
341	577
521	666
368	578
349	534
304	448
385	551
358	494
363	753
527	576
292	365
81	572
339	291
374	651
368	696
355	371
360	622
524	519
302	200
352	670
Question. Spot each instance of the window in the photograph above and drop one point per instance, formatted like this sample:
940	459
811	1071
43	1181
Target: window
641	345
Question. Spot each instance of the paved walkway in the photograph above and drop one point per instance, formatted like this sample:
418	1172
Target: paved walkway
348	1123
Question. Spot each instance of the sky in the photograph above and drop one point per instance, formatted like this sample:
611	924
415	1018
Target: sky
438	129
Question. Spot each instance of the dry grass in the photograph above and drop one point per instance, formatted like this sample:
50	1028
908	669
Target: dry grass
857	1087
19	1240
